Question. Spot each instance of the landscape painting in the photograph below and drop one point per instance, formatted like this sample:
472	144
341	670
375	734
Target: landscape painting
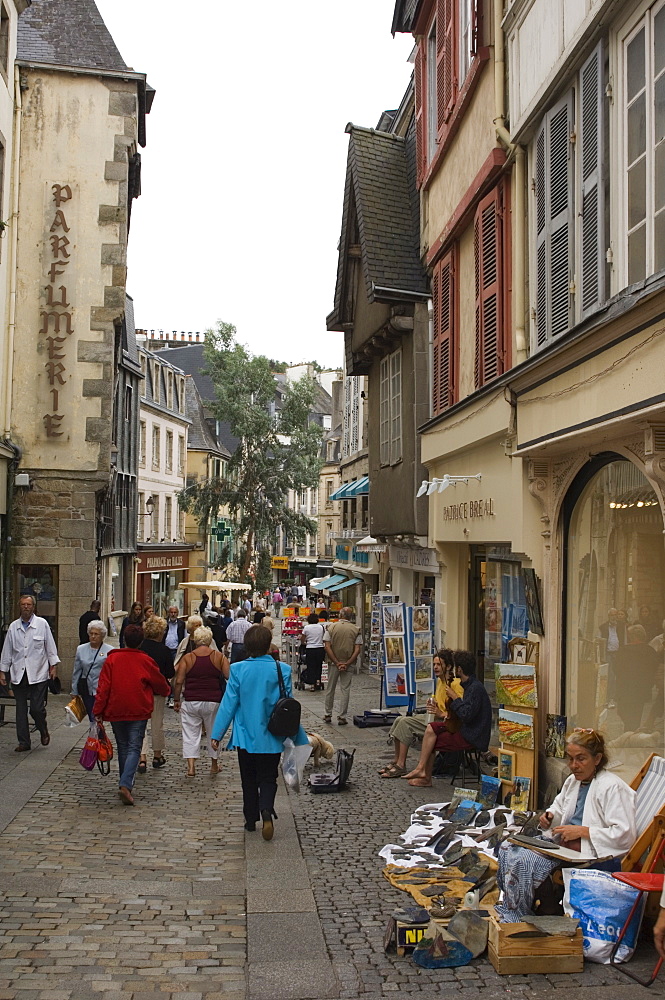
516	728
516	684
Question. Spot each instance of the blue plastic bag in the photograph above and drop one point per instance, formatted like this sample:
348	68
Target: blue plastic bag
602	904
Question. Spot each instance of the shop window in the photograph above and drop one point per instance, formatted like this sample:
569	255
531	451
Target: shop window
40	582
615	580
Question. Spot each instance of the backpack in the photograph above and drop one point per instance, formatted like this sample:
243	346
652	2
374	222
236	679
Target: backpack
337	781
284	719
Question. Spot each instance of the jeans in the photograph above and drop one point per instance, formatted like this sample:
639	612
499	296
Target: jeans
129	739
258	774
37	694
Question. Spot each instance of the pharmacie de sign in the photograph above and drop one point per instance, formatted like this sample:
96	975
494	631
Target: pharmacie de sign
160	561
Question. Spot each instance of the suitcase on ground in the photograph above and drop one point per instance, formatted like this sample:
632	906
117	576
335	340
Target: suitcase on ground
370	719
337	781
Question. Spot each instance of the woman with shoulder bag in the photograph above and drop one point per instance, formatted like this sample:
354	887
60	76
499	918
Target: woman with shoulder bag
88	664
204	673
312	638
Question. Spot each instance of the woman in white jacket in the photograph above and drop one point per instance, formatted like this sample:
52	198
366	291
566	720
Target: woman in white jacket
594	813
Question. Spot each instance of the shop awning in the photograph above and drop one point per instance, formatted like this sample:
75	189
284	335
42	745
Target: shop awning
327	582
358	487
341	586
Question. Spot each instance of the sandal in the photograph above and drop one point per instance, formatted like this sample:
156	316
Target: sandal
143	767
394	771
159	761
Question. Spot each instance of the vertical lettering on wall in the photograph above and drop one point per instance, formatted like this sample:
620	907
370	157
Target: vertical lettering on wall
57	326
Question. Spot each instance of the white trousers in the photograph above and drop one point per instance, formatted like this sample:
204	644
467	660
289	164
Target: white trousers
156	728
192	715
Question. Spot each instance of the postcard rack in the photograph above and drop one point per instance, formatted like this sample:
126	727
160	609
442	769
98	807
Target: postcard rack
518	756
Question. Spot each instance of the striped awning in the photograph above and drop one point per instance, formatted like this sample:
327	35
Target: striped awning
359	487
341	586
327	582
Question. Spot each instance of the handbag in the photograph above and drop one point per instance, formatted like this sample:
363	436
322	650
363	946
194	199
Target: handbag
88	757
284	719
104	750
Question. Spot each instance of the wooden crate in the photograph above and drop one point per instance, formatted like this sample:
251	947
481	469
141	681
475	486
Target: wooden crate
516	956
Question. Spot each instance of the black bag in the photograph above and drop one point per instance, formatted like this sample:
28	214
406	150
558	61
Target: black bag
284	719
369	719
337	781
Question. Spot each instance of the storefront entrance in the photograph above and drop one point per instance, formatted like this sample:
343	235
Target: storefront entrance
614	607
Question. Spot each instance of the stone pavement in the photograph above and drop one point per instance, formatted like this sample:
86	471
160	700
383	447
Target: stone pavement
171	900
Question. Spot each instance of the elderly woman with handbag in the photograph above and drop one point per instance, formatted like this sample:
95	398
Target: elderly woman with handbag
252	692
88	663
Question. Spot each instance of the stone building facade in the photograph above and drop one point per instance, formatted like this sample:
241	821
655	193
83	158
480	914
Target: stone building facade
82	120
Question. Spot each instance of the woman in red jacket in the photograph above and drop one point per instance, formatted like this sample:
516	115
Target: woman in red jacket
125	697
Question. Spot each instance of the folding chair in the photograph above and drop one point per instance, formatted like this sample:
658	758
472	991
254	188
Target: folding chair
649	784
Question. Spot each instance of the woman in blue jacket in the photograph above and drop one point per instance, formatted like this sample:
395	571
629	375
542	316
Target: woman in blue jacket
252	691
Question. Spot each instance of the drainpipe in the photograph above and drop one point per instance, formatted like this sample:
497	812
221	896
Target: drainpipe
11	326
516	153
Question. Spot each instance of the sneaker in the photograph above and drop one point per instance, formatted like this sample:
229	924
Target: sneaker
342	722
327	718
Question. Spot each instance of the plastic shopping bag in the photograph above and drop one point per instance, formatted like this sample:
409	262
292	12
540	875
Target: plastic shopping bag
90	751
294	759
602	905
75	712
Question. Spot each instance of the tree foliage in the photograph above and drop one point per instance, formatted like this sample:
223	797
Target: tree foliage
275	454
263	571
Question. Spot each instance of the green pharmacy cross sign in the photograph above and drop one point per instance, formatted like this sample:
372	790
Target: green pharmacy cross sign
221	530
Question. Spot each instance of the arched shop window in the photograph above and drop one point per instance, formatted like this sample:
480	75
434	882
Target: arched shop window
614	609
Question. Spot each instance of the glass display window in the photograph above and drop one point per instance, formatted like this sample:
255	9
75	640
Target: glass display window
41	582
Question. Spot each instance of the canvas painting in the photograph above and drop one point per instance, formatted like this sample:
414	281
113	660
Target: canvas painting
518	621
489	791
555	736
519	654
395	680
507	760
516	684
422	644
395	650
519	797
423	668
424	691
421	619
516	728
393	619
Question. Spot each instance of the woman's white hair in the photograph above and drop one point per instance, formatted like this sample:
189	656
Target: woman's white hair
202	635
98	627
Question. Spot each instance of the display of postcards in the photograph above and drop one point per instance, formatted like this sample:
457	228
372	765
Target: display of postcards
421	619
507	764
395	680
555	736
516	684
489	791
395	649
389	598
516	728
393	619
422	644
424	691
518	621
423	668
465	811
519	796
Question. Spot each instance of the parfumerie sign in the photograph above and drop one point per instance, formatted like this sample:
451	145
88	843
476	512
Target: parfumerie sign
468	510
56	318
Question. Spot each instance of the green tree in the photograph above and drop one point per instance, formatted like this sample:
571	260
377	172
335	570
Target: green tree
275	454
263	571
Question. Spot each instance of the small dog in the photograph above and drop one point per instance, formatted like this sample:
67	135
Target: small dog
320	748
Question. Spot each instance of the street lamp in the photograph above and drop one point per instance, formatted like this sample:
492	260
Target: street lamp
442	483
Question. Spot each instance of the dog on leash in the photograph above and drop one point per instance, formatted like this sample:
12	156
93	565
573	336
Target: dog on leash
320	748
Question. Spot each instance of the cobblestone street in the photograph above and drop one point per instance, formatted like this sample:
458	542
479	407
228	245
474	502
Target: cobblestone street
173	900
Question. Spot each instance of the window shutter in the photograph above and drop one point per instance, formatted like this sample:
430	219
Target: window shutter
541	242
421	138
592	267
489	283
445	60
443	361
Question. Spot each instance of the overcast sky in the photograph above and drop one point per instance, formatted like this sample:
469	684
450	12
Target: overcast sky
243	172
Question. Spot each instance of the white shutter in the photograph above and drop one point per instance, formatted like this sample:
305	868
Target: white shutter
591	148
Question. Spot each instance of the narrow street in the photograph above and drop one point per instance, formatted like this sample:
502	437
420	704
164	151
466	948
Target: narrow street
173	900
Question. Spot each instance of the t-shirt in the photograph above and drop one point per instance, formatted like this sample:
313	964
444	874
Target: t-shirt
343	637
313	636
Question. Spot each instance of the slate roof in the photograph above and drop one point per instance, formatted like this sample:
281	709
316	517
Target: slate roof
190	360
200	436
379	199
67	33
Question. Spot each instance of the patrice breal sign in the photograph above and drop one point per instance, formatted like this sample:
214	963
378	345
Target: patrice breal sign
469	510
56	317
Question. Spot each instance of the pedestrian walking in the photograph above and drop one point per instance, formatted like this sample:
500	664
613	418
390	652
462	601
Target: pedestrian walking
342	641
312	638
135	617
88	616
277	602
251	694
187	643
235	636
88	663
205	601
203	673
125	697
30	657
153	646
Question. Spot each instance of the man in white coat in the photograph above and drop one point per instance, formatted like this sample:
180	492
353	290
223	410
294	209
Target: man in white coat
30	656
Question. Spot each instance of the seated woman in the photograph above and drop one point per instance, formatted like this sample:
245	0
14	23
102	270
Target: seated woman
409	727
594	813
